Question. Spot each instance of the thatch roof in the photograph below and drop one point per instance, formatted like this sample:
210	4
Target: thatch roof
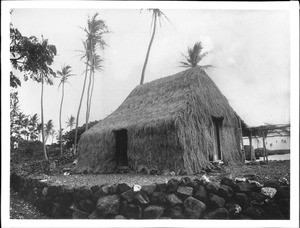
162	100
185	101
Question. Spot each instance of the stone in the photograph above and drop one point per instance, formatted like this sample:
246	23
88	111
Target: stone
113	189
141	198
184	191
204	180
133	211
185	181
123	187
105	190
269	192
95	188
57	211
45	191
215	201
50	191
94	215
272	211
212	187
108	205
153	212
229	182
255	186
195	183
85	194
233	208
158	197
283	181
136	188
240	179
161	187
257	198
128	195
172	199
254	213
283	192
172	185
219	213
243	187
149	189
242	200
99	193
87	205
225	192
284	206
200	193
78	214
272	184
193	208
119	217
177	212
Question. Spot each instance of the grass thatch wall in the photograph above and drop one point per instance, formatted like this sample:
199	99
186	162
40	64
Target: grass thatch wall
169	124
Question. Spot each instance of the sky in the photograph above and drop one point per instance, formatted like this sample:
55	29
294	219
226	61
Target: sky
249	51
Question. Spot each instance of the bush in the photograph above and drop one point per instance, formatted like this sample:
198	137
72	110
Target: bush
69	137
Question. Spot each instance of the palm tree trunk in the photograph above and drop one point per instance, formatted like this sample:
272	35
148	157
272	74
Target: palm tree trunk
92	90
148	51
80	103
88	102
42	114
60	130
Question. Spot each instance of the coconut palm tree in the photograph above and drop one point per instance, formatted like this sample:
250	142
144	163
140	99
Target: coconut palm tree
64	75
48	129
94	32
33	123
194	56
156	14
39	130
71	121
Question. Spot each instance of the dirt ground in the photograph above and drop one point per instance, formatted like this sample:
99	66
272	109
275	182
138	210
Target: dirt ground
21	209
262	173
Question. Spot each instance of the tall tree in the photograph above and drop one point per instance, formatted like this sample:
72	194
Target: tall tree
64	75
156	14
194	56
71	121
34	58
94	31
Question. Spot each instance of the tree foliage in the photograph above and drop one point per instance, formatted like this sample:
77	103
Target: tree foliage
30	56
194	56
69	136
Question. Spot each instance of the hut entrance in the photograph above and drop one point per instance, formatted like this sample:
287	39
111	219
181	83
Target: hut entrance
217	122
121	147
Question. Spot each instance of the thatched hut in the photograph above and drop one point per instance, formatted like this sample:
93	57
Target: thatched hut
177	123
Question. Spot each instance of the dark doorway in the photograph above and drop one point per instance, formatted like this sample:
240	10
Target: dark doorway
121	147
217	126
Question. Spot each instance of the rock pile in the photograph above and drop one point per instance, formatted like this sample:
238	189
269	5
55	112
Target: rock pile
176	199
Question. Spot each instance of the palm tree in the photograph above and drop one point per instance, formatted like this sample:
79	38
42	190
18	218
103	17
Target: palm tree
194	56
48	129
70	122
39	130
44	76
64	74
156	13
33	123
94	32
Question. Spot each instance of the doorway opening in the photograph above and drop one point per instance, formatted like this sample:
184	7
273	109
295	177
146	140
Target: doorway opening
217	127
121	147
